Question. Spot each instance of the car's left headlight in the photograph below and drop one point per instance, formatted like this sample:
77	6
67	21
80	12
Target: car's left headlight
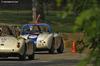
42	42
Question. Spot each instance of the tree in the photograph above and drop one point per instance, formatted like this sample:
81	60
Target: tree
87	20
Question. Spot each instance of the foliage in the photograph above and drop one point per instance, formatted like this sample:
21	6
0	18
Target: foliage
88	22
15	16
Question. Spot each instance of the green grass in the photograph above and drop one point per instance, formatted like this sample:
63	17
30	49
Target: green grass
9	16
58	23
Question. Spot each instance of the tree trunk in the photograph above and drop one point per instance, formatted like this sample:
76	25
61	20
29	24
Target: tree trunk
37	9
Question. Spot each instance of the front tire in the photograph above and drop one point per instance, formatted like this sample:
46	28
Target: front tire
23	56
61	47
32	57
52	49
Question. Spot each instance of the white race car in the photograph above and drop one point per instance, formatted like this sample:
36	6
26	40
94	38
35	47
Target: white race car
12	46
42	36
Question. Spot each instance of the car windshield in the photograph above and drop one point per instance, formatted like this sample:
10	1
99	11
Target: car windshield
7	30
35	29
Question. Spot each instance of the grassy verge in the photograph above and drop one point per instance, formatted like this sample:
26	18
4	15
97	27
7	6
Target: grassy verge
58	23
15	16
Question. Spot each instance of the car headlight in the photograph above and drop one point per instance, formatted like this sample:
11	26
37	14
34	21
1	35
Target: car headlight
42	42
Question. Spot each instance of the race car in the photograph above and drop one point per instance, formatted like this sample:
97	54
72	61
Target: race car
12	45
42	36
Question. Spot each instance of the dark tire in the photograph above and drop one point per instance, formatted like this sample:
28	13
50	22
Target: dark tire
61	47
32	57
52	49
23	56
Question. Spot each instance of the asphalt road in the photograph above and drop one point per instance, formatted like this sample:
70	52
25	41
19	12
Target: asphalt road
44	59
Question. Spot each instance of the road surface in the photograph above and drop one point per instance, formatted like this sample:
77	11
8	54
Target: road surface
44	59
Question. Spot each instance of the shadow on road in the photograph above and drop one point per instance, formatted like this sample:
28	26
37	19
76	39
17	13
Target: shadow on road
12	59
69	62
44	53
61	62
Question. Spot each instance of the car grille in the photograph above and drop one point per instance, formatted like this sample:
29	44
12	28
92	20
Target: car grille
9	54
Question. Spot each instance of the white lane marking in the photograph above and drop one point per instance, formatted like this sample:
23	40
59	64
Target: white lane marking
14	60
35	61
22	62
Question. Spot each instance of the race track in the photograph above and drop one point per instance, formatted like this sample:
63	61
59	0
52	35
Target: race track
44	59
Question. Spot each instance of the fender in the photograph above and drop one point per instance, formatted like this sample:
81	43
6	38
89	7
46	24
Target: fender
44	40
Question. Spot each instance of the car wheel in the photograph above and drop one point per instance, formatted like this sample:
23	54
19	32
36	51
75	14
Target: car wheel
52	49
23	56
61	47
32	57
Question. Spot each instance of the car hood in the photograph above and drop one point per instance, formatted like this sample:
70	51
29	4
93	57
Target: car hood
8	40
31	38
44	37
27	36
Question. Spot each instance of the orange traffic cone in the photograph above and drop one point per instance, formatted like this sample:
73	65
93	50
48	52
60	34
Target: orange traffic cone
73	49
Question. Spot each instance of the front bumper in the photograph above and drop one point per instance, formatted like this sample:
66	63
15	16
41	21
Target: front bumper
9	54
